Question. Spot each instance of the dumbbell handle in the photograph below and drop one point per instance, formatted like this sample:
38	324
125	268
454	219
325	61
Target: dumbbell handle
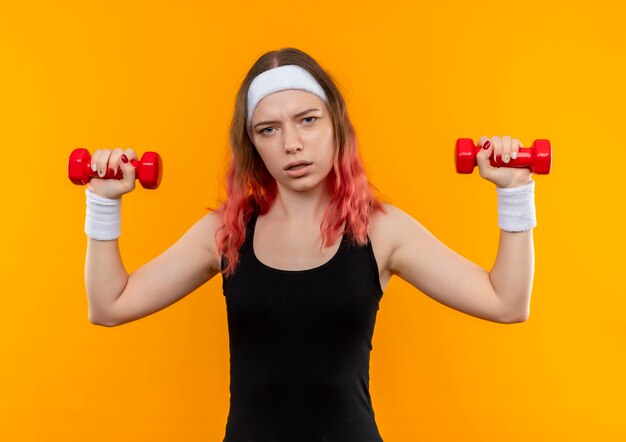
538	157
148	170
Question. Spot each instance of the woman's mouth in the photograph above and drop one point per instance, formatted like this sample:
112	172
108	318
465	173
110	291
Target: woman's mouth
299	170
299	166
295	165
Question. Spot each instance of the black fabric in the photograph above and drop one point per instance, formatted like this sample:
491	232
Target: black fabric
300	345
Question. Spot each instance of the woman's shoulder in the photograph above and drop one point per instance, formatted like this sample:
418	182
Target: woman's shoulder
389	230
389	217
384	228
390	226
205	229
385	236
211	221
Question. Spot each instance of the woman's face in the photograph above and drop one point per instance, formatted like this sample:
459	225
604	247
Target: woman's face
294	125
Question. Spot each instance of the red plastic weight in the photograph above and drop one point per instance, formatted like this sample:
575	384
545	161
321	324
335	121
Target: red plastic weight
537	157
149	169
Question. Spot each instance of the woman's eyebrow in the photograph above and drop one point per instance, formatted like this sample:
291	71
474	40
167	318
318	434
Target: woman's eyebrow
299	114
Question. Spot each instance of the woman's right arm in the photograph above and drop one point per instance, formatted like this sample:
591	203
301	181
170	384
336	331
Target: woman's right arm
115	297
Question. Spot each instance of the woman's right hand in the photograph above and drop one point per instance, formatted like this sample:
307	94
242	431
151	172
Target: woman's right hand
104	159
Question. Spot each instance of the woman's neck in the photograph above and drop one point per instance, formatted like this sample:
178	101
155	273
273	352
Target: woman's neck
300	208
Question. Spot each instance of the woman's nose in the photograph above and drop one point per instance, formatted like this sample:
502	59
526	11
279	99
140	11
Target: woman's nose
292	140
292	147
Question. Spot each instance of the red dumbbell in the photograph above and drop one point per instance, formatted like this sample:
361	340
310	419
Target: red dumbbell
537	157
149	170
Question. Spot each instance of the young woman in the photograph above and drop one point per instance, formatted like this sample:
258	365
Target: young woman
305	250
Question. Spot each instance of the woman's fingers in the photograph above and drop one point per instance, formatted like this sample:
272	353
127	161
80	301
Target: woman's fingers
482	157
107	160
128	170
107	163
99	161
502	150
130	154
94	160
507	148
497	147
481	141
114	161
515	146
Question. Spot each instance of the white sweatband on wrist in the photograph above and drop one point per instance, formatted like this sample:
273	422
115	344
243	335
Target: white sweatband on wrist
516	208
279	79
103	217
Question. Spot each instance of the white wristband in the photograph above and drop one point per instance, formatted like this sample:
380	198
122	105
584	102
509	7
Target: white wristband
516	208
103	217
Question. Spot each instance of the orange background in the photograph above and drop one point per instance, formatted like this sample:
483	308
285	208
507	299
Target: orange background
157	75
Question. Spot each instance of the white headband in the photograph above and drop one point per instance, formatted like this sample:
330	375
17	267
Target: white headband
279	79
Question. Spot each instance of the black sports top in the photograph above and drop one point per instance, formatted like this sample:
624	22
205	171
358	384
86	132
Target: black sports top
300	343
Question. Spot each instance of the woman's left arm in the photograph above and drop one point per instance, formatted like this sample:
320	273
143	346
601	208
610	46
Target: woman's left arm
513	270
501	295
512	273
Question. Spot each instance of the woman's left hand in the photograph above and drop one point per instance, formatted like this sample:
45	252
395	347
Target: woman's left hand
506	149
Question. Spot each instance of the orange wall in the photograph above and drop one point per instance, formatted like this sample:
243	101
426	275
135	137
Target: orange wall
158	75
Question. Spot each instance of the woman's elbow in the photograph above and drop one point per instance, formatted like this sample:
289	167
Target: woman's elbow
516	317
97	320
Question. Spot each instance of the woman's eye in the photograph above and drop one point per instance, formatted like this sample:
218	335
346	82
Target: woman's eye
266	131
